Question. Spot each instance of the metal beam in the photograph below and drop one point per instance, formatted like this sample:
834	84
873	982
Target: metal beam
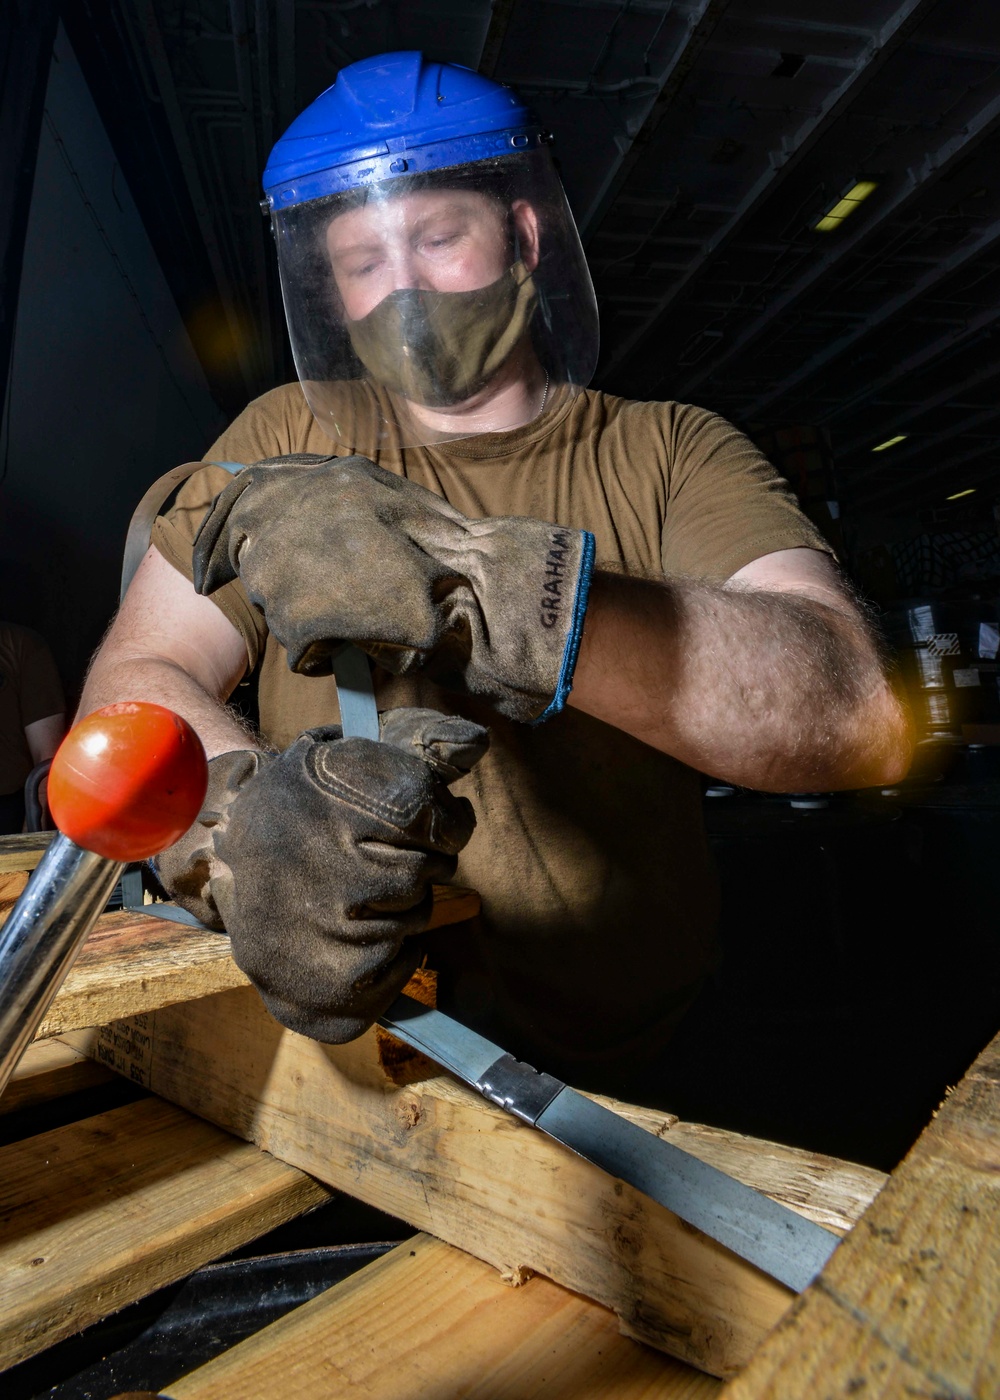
919	445
914	493
931	280
500	17
252	103
702	24
919	360
965	472
266	86
793	149
284	43
167	93
890	425
927	482
956	430
27	32
931	169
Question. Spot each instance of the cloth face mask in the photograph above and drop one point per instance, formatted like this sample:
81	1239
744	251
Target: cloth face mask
440	348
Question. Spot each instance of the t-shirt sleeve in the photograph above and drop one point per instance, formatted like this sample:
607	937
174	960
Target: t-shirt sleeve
277	423
41	692
727	505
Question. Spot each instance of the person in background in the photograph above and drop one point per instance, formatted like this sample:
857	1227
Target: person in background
32	716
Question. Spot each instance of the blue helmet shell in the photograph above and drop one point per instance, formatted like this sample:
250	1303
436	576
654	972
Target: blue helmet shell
392	115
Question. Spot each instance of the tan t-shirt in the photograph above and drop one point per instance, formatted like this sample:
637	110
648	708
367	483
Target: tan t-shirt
590	855
30	690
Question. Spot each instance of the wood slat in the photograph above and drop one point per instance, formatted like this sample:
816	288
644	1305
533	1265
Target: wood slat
48	1070
910	1304
427	1322
134	963
11	885
437	1155
23	850
101	1212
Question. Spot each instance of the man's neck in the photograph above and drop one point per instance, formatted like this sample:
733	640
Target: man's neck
512	399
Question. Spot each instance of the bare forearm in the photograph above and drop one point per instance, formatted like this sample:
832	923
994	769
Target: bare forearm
163	682
771	690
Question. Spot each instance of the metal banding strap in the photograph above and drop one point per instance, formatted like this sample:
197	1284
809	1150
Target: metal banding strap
519	1088
777	1240
173	912
774	1238
356	694
140	527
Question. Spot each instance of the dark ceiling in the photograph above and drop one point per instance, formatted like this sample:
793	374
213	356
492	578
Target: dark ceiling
699	141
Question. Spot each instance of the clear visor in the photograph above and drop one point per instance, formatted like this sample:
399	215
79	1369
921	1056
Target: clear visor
436	307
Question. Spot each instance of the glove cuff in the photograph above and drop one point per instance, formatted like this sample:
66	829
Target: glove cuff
574	635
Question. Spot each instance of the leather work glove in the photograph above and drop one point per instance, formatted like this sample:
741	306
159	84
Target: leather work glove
318	862
337	549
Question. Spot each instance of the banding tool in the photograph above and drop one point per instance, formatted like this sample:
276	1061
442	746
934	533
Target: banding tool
126	781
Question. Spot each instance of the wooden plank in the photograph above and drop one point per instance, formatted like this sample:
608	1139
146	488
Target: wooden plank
97	1214
453	904
910	1305
437	1155
11	885
48	1070
135	963
23	850
427	1321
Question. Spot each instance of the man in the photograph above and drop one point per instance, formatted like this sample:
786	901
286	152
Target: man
32	717
444	330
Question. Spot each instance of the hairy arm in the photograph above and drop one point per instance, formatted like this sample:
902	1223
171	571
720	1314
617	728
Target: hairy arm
171	646
772	680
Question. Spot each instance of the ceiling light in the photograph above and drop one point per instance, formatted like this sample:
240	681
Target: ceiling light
846	204
969	491
890	442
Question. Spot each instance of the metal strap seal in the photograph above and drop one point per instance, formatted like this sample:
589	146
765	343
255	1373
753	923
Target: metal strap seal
519	1088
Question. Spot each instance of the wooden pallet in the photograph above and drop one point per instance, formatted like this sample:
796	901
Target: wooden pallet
99	1213
432	1152
910	1303
403	1136
49	1070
